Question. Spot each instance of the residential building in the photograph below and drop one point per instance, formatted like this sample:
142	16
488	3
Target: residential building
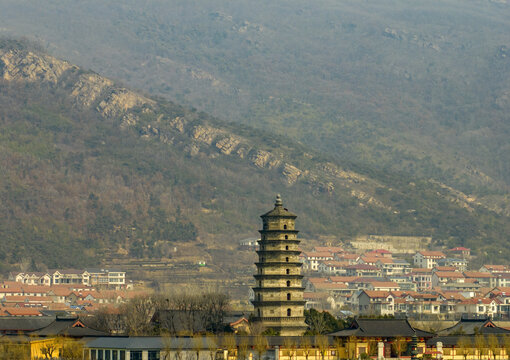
427	259
370	302
457	263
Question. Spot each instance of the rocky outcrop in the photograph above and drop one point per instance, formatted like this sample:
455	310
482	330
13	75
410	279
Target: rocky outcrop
88	88
178	123
19	65
291	173
205	134
264	159
227	145
368	199
119	101
335	171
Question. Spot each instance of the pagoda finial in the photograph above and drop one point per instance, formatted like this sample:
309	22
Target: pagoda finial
279	201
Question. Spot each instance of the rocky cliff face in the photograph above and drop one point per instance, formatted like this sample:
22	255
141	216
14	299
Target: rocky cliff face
91	91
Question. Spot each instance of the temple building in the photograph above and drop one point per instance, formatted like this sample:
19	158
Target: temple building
278	301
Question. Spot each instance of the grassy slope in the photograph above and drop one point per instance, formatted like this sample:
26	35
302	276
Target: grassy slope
72	188
417	88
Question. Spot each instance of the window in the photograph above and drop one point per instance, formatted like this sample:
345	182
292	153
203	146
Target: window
289	312
107	355
122	355
153	355
286	259
100	354
288	283
135	355
287	271
288	296
115	355
93	354
284	227
287	247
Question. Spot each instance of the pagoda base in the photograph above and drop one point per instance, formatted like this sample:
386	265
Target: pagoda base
285	326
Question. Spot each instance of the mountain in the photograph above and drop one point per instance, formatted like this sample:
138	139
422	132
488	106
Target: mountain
421	89
92	169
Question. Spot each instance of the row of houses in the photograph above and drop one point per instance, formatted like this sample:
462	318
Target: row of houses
19	299
439	305
89	277
380	262
442	292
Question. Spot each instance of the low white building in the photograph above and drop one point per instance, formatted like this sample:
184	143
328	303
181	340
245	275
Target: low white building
427	259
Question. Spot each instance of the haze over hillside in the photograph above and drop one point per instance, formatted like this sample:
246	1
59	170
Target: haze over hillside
421	88
92	169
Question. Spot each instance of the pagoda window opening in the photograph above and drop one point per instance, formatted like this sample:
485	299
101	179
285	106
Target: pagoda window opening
287	271
287	247
286	237
288	283
289	312
284	227
288	296
286	259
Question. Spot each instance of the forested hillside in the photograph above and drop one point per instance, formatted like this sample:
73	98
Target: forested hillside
419	88
90	168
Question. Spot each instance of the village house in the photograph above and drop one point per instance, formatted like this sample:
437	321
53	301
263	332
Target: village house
422	278
459	264
427	259
350	258
478	306
312	259
495	268
371	302
500	279
391	267
333	267
442	277
482	278
363	270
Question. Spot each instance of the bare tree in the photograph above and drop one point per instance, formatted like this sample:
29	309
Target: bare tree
17	349
306	345
506	345
197	344
229	343
70	349
463	347
352	346
322	342
493	345
112	322
49	349
290	345
242	349
192	310
261	345
339	346
480	345
212	345
399	345
137	315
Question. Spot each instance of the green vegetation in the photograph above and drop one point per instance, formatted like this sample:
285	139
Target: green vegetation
76	188
418	89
